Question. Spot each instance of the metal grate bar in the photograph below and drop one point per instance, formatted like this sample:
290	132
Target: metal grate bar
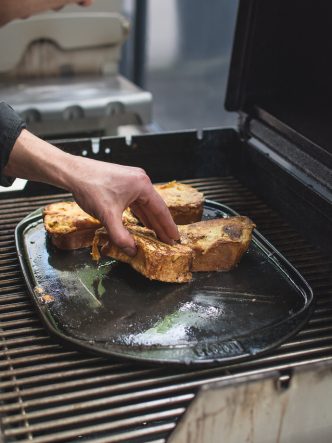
35	358
20	331
58	365
24	322
14	305
54	376
26	339
17	314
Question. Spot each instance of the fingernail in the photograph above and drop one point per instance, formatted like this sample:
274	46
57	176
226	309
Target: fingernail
131	252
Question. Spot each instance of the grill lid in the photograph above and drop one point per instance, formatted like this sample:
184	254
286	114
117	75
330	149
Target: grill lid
280	79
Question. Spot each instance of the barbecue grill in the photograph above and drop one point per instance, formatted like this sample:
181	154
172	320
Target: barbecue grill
275	168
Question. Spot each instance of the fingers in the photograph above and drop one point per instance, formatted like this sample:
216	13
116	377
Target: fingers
152	210
157	217
140	214
119	236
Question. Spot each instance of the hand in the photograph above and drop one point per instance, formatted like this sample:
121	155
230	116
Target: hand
105	190
102	189
14	9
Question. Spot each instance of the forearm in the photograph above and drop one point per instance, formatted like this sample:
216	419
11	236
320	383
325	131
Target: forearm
34	159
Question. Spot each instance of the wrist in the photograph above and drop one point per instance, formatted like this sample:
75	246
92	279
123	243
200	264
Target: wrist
34	159
72	171
63	168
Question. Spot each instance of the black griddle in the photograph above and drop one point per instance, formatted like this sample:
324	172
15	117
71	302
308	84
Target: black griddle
109	308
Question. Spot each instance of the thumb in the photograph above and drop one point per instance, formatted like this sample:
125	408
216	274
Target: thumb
119	235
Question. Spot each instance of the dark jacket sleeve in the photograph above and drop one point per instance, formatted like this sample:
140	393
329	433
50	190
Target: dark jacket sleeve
11	126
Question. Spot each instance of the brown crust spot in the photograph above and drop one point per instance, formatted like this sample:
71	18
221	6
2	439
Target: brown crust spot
234	231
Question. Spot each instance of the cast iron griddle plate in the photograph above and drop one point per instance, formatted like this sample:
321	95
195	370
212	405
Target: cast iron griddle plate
110	309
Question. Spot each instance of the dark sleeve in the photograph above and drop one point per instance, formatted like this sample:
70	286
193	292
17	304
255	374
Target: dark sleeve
11	126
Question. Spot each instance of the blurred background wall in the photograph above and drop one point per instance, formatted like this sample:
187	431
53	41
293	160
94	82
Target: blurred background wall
187	61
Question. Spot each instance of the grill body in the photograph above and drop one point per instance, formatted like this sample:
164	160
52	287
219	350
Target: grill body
50	393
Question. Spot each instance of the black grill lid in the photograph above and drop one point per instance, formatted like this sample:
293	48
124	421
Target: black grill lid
281	72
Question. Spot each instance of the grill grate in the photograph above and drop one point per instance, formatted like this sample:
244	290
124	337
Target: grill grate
51	394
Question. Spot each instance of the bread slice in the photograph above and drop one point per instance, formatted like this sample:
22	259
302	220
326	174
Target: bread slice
218	244
184	202
72	228
154	259
69	226
211	245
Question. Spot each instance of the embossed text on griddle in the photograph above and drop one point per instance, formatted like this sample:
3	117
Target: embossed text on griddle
222	348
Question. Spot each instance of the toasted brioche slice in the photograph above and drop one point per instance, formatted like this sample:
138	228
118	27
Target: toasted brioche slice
72	228
154	259
69	226
67	217
184	202
81	238
219	244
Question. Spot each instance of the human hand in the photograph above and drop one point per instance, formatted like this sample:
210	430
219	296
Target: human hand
105	190
102	189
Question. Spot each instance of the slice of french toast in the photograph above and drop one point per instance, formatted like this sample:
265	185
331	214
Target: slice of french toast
184	202
211	245
154	259
218	244
69	226
72	228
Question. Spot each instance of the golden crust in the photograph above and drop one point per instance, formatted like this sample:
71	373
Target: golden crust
72	228
154	259
184	202
128	218
219	244
67	217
